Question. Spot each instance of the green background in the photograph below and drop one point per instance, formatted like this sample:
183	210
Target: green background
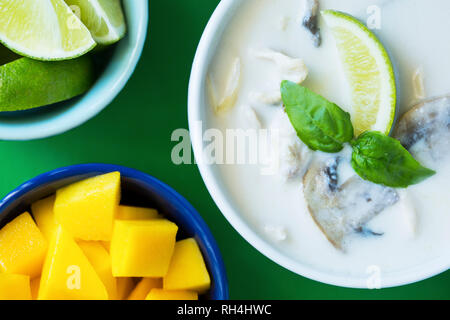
135	131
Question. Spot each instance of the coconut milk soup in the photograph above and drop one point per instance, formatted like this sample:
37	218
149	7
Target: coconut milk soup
402	227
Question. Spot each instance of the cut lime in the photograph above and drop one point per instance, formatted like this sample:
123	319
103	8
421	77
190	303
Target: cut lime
104	18
369	71
26	83
43	29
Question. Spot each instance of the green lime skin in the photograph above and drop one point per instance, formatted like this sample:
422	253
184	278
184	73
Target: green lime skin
26	83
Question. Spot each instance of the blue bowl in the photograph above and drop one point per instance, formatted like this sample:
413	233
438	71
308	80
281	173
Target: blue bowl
138	189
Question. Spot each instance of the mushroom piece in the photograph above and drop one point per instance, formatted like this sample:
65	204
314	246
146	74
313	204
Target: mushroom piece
342	209
425	130
310	21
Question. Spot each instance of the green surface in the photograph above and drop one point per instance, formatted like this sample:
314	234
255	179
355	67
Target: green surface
135	131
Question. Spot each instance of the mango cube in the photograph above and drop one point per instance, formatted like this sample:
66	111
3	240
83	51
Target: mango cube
142	248
124	287
101	261
34	285
22	247
136	213
187	269
143	288
14	287
86	209
67	272
160	294
43	214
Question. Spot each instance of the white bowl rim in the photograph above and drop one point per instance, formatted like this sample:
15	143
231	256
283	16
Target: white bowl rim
196	92
59	124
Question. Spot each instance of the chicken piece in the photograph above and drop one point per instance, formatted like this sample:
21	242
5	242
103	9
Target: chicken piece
230	95
292	69
293	155
343	209
425	130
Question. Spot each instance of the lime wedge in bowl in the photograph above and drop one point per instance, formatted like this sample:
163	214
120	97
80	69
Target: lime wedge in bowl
27	83
43	29
104	18
369	71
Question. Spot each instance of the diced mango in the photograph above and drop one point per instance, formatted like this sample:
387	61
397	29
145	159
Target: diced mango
14	287
160	294
101	261
136	213
67	272
106	245
43	214
86	209
22	247
187	269
34	284
124	287
142	248
143	288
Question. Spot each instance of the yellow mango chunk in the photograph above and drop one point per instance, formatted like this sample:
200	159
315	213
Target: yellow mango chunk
124	287
142	248
43	214
101	261
136	213
34	284
22	247
86	209
160	294
106	245
67	272
143	288
187	269
14	287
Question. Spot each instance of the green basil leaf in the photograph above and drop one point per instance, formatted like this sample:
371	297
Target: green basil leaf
319	123
383	160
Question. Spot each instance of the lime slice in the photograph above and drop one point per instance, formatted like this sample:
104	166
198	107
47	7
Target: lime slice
26	83
43	29
368	70
104	18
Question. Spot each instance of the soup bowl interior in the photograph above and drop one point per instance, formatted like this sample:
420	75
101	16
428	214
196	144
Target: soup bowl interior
138	189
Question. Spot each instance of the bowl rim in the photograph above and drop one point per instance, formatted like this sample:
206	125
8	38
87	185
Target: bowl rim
76	116
212	251
196	93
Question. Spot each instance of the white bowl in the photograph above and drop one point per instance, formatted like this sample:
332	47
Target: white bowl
72	113
197	104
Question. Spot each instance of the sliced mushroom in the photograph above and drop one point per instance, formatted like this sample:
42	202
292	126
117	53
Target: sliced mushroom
342	209
425	130
310	21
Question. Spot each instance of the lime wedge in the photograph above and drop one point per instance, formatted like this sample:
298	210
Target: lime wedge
26	83
43	29
104	18
369	71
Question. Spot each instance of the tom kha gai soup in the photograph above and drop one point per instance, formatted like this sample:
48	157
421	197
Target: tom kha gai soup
342	110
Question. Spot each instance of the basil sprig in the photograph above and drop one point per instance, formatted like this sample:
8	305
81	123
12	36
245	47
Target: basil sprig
383	160
324	126
320	124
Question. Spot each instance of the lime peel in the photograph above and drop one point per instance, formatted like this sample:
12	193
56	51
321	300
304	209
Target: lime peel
369	71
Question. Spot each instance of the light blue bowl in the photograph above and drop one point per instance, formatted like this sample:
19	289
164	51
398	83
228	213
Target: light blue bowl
70	114
138	189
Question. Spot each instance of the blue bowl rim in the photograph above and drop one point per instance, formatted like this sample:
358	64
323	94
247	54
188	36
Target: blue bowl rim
220	292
